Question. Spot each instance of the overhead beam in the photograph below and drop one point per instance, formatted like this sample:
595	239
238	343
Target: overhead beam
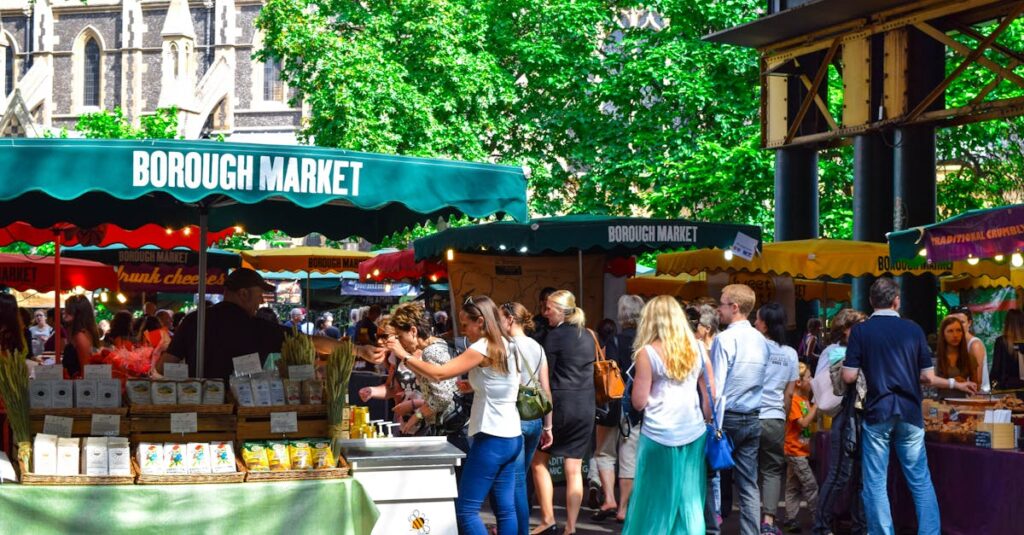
794	125
959	48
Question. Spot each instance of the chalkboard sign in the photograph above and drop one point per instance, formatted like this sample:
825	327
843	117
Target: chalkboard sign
983	439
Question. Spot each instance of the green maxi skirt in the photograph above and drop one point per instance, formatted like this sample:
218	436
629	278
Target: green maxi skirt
669	490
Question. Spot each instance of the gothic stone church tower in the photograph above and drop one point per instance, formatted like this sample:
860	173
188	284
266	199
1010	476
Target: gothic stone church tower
62	58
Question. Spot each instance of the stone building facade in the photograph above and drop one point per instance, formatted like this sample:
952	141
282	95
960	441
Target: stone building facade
62	58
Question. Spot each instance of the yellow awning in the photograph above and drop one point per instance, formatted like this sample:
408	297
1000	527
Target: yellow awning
311	259
813	259
688	288
1012	277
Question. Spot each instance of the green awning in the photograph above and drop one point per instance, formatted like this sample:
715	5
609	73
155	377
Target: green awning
295	189
564	234
984	233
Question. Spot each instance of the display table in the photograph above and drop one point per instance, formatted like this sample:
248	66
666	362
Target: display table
974	487
337	506
411	479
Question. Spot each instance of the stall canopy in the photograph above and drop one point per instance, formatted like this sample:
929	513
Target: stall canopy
693	287
585	233
116	255
105	234
306	259
400	265
990	233
31	272
813	259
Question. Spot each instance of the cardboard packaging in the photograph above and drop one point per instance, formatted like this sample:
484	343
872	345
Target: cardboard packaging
241	387
190	392
139	392
199	458
44	455
68	459
222	457
164	393
108	393
119	457
40	394
293	392
94	457
261	391
63	394
176	457
85	393
150	457
213	392
277	394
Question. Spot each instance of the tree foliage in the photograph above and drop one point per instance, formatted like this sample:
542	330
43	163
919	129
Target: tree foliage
107	124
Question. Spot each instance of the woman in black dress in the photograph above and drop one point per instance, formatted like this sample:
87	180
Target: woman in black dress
570	349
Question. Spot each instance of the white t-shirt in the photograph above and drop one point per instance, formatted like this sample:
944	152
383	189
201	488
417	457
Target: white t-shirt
494	399
533	354
783	368
673	416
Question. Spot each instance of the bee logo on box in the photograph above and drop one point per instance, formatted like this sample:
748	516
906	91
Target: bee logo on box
418	523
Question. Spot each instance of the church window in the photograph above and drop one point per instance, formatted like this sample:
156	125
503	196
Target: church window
273	87
91	86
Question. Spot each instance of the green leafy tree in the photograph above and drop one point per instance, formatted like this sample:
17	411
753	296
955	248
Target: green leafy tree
112	124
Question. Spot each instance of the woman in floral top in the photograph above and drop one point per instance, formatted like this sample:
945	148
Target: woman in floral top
412	329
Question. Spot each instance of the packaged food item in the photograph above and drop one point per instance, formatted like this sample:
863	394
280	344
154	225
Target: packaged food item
255	456
150	457
199	458
94	457
138	391
176	455
108	393
164	393
85	393
68	460
293	392
241	387
278	456
261	390
222	457
40	394
190	392
301	455
118	457
322	456
44	455
313	392
277	396
213	392
63	394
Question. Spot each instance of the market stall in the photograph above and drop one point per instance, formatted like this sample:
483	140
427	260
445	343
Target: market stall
151	269
689	287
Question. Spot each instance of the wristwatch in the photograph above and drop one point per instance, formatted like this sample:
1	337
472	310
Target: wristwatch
952	383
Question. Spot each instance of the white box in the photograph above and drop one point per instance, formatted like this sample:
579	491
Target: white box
85	393
242	388
68	460
176	457
44	455
138	391
199	458
151	458
108	393
119	458
190	392
63	394
40	394
94	457
222	457
261	391
165	393
213	392
277	391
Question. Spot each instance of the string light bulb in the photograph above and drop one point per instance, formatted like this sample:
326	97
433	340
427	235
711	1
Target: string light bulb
972	261
998	258
923	252
104	297
450	254
728	255
1017	260
121	298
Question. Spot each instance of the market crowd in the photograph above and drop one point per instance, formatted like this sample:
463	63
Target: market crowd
518	388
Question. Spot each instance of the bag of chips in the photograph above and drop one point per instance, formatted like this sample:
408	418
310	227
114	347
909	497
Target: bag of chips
323	458
278	456
255	456
301	455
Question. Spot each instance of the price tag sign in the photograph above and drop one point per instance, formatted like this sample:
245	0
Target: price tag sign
301	372
106	425
176	371
184	422
744	246
49	373
284	422
57	425
247	364
97	371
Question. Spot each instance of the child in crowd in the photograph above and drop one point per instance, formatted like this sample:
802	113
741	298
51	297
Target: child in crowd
800	480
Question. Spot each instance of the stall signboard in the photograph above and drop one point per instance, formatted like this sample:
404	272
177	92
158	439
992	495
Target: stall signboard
373	289
168	278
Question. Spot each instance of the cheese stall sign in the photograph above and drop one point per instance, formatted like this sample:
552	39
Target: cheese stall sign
228	172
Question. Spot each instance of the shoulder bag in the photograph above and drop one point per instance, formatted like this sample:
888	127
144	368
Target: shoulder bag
531	401
718	446
608	383
630	416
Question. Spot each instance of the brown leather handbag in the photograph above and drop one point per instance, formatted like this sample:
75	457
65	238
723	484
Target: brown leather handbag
608	383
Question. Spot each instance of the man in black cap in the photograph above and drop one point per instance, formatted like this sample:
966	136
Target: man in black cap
234	330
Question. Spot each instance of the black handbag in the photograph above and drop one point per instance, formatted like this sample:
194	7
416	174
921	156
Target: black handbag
630	416
531	401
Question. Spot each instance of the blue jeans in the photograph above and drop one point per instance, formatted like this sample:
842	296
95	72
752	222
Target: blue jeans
908	440
531	438
490	469
745	432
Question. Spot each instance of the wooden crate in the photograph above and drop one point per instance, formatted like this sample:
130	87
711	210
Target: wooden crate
254	422
81	425
152	423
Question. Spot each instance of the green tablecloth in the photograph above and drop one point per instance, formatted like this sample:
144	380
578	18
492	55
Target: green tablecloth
336	506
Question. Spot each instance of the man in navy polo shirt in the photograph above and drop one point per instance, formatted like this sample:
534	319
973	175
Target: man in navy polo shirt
895	358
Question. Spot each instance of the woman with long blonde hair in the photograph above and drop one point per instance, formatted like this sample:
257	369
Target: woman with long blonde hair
669	489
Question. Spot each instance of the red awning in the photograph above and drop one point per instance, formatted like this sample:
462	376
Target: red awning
104	235
400	265
30	272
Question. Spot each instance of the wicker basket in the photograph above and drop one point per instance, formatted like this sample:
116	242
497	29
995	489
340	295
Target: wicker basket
342	471
189	479
28	478
159	410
